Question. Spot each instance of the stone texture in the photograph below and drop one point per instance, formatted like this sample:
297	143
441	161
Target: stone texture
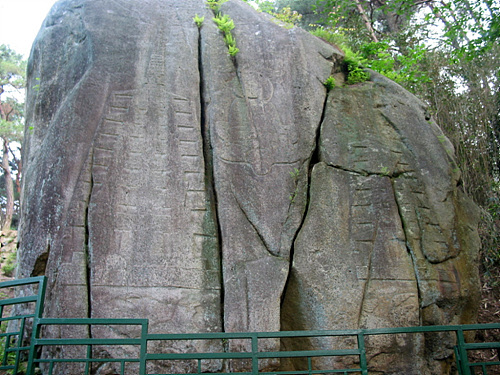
262	121
385	241
167	180
351	268
124	188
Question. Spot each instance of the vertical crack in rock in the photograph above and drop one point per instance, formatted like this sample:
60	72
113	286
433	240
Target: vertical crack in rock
254	227
315	156
87	251
408	248
209	172
292	247
368	278
313	160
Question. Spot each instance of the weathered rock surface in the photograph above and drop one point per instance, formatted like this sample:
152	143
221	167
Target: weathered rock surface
166	180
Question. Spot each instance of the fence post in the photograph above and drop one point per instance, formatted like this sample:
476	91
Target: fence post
255	349
463	360
362	353
144	348
35	333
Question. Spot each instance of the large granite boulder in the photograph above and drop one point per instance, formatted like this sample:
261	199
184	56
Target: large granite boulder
166	179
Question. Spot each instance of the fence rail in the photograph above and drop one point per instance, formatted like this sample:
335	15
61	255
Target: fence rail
23	354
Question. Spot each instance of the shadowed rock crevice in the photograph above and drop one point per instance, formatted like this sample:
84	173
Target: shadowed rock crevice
41	263
313	160
209	171
87	247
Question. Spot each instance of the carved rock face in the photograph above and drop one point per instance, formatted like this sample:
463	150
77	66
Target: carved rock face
167	180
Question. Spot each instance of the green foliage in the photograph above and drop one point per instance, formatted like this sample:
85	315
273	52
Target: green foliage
385	171
381	57
11	356
376	55
352	60
214	5
197	20
288	16
285	14
224	23
355	73
410	72
12	130
329	83
334	37
12	71
489	231
295	173
37	86
233	50
10	264
266	6
404	69
12	68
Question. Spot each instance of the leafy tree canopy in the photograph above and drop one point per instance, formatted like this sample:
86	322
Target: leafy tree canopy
12	81
12	69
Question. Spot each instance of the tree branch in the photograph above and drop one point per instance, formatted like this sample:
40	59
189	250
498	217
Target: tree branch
366	20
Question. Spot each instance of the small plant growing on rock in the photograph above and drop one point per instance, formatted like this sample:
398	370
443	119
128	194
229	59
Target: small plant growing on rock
232	50
198	20
231	44
384	171
224	23
329	83
355	74
215	4
37	86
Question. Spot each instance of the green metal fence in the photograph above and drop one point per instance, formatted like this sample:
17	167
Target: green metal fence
16	314
28	354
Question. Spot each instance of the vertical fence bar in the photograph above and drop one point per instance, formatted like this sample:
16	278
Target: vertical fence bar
458	360
144	348
5	350
362	353
42	283
32	350
462	352
20	339
89	356
4	354
255	349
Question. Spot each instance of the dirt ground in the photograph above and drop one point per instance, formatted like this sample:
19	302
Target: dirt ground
489	312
